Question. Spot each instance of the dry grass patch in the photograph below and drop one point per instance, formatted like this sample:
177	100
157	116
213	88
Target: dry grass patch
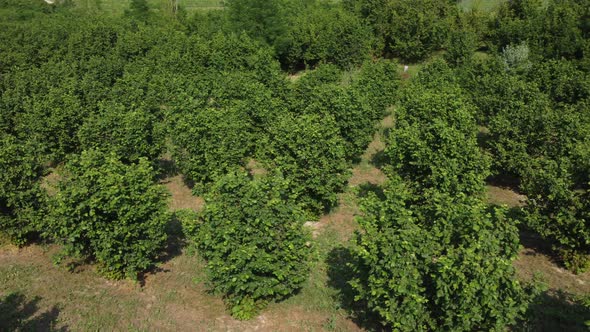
181	195
504	196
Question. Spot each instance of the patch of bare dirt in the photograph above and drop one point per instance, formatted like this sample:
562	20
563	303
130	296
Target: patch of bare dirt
255	168
50	181
388	121
342	219
531	261
181	195
295	76
504	196
361	175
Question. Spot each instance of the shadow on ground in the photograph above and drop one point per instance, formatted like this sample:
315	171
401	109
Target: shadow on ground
557	311
379	160
174	245
19	314
166	168
339	274
504	180
365	189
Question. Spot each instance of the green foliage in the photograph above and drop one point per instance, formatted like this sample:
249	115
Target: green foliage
560	34
63	115
536	131
378	81
261	19
559	211
434	75
460	48
436	262
308	150
325	35
515	22
555	30
562	81
356	105
322	74
253	239
109	212
355	120
128	134
208	143
139	9
434	143
493	90
21	198
409	29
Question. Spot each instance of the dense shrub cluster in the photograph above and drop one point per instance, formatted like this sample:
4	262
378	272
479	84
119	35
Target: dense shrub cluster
209	142
409	29
436	262
21	198
434	143
131	135
252	236
557	30
430	254
322	35
533	99
99	100
109	212
309	152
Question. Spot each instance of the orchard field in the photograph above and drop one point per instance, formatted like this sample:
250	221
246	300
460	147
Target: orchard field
286	165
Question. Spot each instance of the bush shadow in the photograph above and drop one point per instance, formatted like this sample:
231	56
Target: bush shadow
556	311
340	273
174	244
505	180
166	168
19	314
538	245
364	189
379	159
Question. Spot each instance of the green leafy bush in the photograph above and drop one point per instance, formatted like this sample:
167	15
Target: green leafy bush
461	46
494	90
253	239
559	211
322	74
262	19
434	144
409	29
325	35
538	130
356	106
553	29
21	198
128	134
111	213
378	81
309	152
62	113
514	23
436	262
209	142
355	119
562	81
